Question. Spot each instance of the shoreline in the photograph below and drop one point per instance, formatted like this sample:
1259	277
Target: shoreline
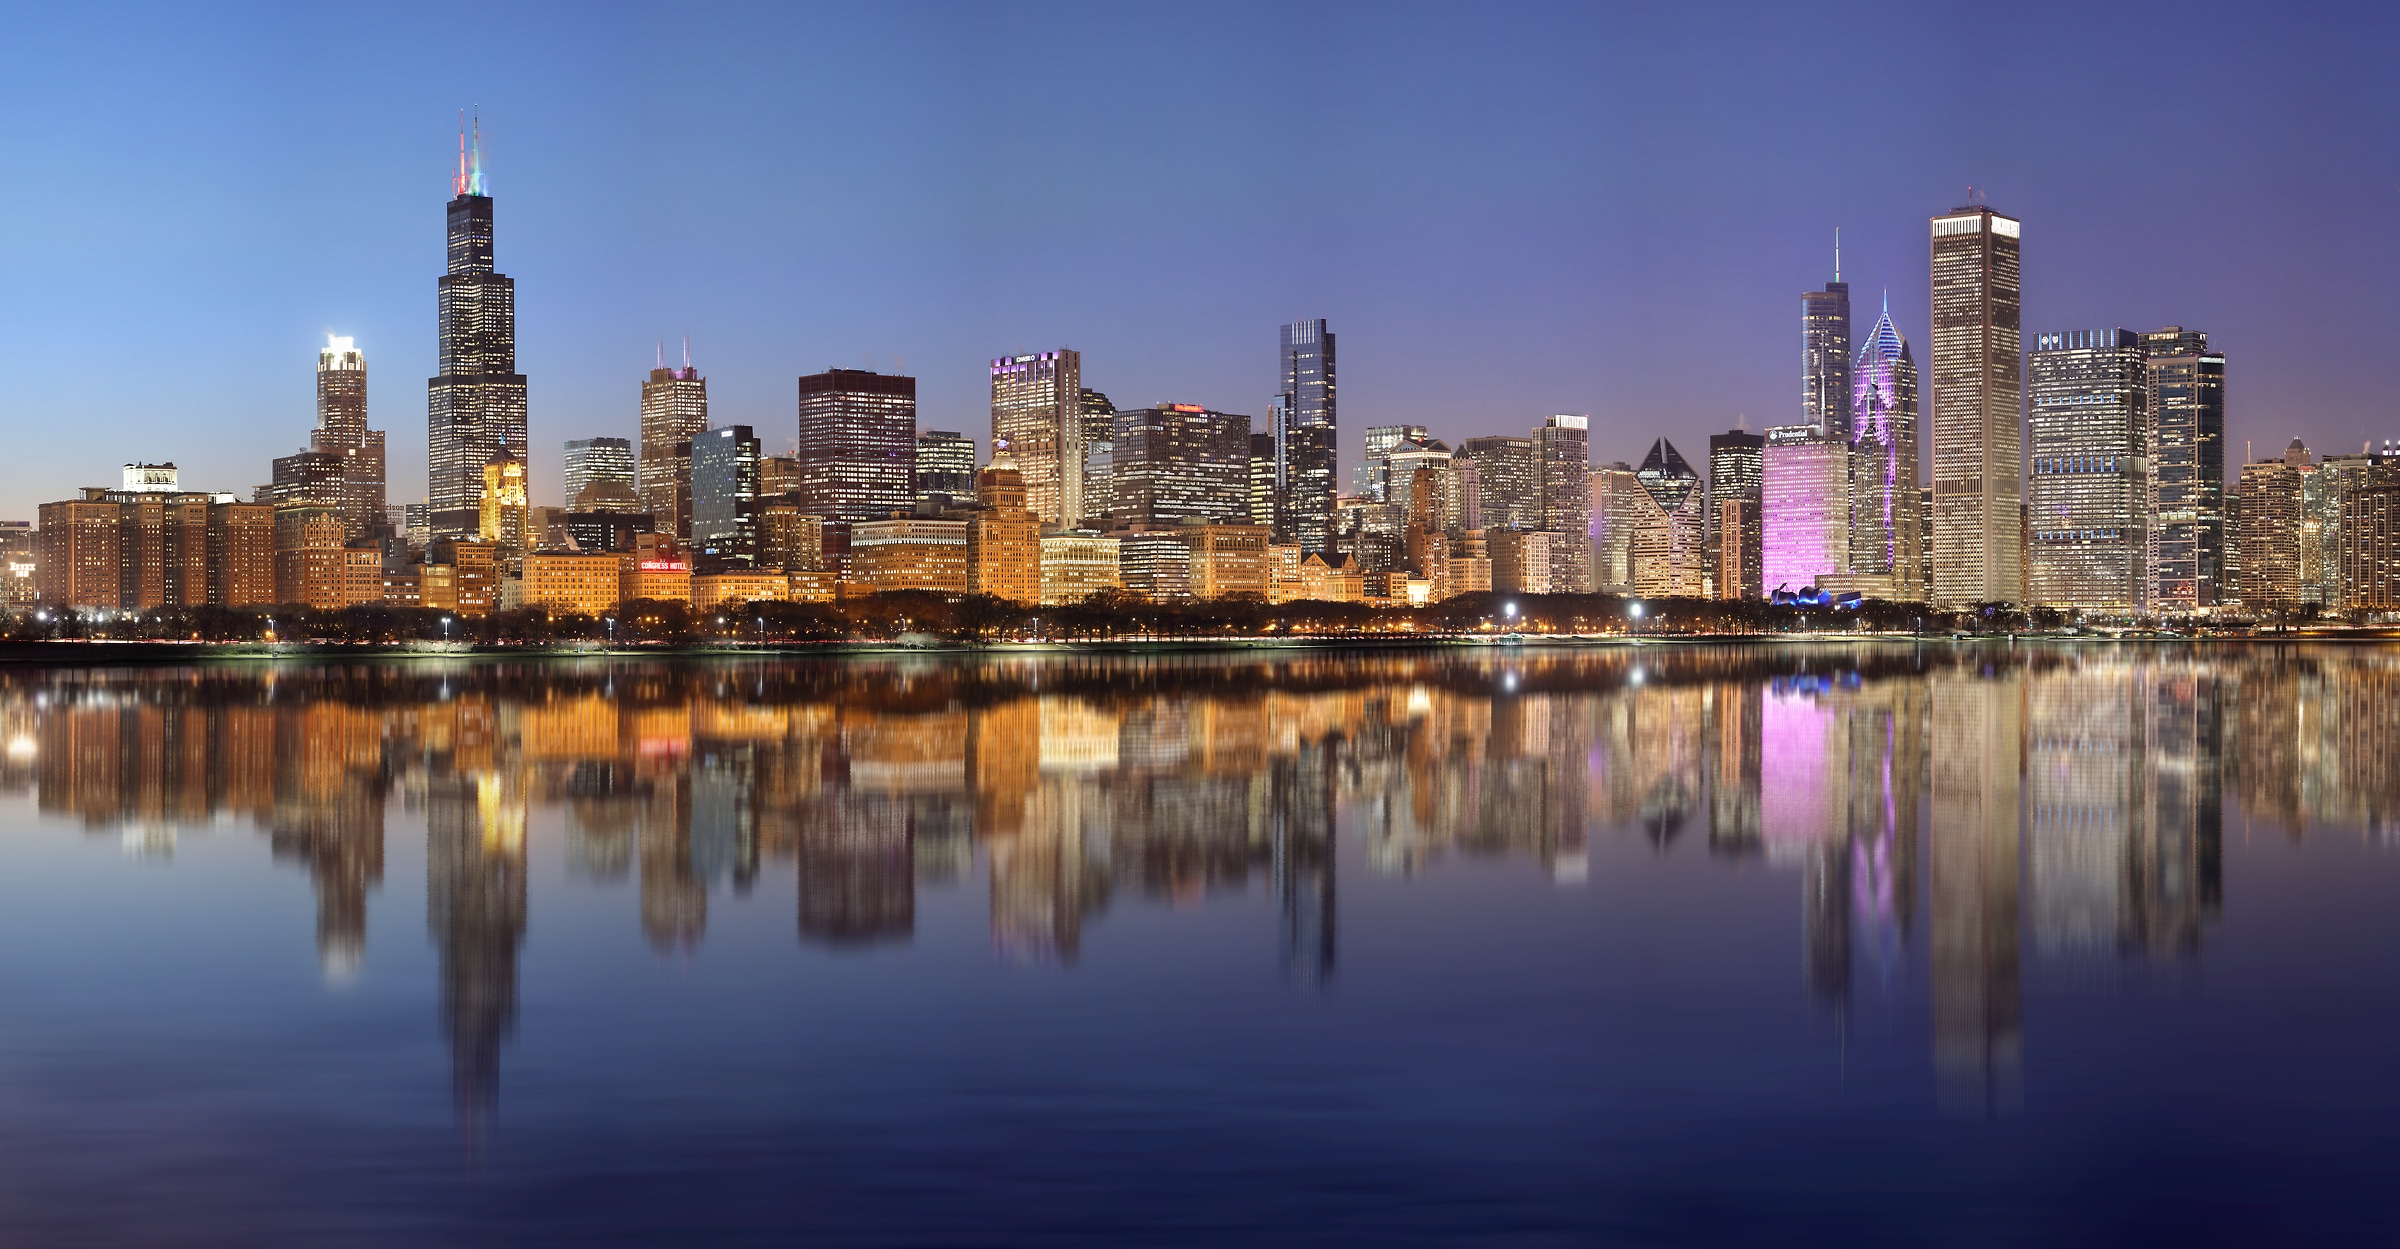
82	653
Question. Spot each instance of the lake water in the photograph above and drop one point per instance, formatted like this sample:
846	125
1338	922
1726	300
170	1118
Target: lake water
1668	944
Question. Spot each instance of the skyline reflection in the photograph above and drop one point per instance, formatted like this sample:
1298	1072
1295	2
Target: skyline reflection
1999	805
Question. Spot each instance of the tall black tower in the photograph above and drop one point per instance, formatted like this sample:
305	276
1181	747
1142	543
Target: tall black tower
475	408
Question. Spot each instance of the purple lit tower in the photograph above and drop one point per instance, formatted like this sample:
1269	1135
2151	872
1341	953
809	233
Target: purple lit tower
1886	536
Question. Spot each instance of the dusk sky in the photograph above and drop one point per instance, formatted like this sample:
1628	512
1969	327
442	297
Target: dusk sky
1504	211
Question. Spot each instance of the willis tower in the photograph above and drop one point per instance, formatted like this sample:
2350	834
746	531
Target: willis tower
476	408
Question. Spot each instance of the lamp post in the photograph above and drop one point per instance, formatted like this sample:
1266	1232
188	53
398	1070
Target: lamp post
445	630
1637	620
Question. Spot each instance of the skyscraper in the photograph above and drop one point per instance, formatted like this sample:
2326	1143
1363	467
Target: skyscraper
2187	470
1504	468
1371	477
500	511
1825	354
1887	552
1563	457
1978	385
1263	495
858	444
945	468
475	407
596	461
342	430
1037	407
2271	534
1804	509
1667	475
725	496
1178	461
674	411
1734	468
2087	426
1304	430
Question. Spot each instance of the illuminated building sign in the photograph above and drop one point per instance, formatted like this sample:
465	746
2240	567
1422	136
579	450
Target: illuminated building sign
664	565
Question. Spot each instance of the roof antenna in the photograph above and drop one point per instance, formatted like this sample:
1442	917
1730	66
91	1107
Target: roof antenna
687	351
662	353
1837	253
1741	421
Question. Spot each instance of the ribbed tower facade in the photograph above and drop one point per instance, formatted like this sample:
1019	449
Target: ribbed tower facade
476	405
1978	424
1305	433
1886	531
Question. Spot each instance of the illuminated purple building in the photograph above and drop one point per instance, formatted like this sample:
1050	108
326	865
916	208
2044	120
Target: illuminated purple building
1804	488
1886	533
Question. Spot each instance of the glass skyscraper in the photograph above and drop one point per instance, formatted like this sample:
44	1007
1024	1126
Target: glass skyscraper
725	496
674	411
1038	410
1733	522
1305	435
475	407
2186	385
1886	529
1179	461
945	468
1825	356
858	444
597	461
2087	423
1978	387
1505	478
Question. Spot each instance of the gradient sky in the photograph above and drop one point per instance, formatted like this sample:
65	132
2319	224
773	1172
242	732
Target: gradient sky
1504	210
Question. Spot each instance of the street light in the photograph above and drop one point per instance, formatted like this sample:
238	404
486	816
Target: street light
445	630
1637	619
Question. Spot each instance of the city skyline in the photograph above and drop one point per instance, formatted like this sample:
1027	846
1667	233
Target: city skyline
600	290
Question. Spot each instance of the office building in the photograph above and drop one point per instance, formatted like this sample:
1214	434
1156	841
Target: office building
1563	459
1404	463
1004	539
342	432
674	412
1630	535
1733	480
2186	383
606	462
725	498
476	403
1261	480
1978	443
1155	564
1825	356
1887	531
1304	430
1370	478
1099	420
945	470
858	444
1076	565
1520	560
1804	509
1178	461
1504	469
501	511
1667	475
1228	560
907	553
1037	408
307	478
2086	488
581	583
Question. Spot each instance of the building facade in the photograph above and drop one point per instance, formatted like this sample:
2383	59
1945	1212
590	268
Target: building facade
2087	482
1563	458
674	411
1305	434
858	444
1076	565
1978	389
594	461
342	431
725	498
2271	536
476	403
1504	471
1825	357
2186	383
1037	409
1804	509
1733	477
1178	461
945	470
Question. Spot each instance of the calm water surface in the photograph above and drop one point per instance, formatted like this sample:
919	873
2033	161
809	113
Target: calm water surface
1774	944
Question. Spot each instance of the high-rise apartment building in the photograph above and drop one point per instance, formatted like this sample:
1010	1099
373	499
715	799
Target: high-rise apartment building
1504	469
342	431
476	404
1886	526
945	469
1563	458
1304	433
1825	355
2271	516
1804	509
593	461
2087	488
2187	470
1178	461
725	498
1978	387
136	549
1629	534
674	411
1037	408
858	444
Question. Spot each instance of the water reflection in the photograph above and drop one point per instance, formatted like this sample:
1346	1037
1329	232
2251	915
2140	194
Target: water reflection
2053	804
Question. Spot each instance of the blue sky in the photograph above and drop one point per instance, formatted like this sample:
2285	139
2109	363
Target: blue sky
1504	210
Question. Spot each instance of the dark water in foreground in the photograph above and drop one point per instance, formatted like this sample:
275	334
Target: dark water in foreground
1672	945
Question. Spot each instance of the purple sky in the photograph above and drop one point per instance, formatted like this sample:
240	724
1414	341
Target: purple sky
1505	211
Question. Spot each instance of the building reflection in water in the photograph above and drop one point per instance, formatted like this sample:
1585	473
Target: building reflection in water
2052	804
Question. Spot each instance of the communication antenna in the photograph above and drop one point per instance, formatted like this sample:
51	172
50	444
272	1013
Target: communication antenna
1837	253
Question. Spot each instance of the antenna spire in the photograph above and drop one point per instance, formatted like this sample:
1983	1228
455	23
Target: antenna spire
475	164
1837	253
687	351
662	353
458	179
